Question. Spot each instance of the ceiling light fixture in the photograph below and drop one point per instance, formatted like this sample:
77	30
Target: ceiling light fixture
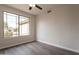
34	5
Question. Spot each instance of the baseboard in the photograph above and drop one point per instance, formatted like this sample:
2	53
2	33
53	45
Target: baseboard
13	45
65	48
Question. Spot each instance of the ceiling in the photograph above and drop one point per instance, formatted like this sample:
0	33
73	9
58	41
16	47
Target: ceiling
34	11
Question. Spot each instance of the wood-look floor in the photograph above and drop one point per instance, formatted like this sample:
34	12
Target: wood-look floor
35	48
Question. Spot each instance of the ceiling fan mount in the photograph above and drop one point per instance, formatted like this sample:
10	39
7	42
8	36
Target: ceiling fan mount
34	5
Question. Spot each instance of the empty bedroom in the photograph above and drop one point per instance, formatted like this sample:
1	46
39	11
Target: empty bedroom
39	29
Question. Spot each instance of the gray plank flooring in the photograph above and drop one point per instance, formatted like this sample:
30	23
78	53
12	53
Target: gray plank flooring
35	48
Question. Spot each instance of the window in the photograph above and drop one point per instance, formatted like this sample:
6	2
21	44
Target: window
24	26
10	25
15	25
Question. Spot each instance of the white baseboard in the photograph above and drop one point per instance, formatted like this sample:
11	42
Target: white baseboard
59	46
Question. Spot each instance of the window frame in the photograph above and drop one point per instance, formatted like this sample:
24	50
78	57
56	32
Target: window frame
16	22
21	27
18	34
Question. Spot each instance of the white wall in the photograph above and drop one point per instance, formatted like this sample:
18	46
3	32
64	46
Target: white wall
60	28
7	42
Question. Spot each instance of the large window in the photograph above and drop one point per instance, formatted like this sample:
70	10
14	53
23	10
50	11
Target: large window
15	25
